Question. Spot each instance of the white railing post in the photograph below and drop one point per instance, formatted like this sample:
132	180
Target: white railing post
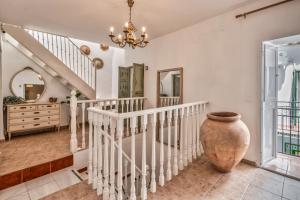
185	158
169	171
194	129
133	127
73	107
95	150
90	159
100	153
189	135
144	167
181	139
153	162
120	127
175	162
161	170
105	164
83	125
198	129
112	159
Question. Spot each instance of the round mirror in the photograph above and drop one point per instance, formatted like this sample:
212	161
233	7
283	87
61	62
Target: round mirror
27	84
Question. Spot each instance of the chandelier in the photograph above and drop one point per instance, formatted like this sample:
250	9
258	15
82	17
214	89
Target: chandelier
129	36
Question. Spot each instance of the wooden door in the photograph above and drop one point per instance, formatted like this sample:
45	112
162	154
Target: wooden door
124	82
138	80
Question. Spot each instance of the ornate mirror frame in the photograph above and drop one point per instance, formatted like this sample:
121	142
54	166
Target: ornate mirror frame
26	68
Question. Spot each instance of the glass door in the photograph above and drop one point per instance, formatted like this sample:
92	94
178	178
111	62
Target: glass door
269	103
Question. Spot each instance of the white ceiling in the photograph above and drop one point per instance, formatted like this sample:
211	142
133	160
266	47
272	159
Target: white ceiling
91	19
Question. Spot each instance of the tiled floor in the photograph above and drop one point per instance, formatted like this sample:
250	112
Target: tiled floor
286	165
41	187
200	181
30	150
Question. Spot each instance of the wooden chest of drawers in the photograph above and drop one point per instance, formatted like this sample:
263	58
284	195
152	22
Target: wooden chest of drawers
24	117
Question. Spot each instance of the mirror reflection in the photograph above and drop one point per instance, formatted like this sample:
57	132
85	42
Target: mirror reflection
27	84
170	86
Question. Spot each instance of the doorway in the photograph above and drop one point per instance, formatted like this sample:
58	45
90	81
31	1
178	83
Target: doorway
280	141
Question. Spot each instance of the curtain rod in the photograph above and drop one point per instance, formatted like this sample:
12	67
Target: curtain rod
263	8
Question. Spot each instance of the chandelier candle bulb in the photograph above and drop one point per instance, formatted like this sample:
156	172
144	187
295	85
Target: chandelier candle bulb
144	30
111	30
126	25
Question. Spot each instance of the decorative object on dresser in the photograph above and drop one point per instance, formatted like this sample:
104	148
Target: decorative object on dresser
225	139
32	116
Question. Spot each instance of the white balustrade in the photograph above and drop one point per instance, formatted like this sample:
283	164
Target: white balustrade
169	101
103	104
182	125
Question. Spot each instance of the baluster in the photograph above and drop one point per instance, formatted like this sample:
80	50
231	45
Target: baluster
153	179
83	125
61	53
142	104
100	153
144	170
131	105
65	44
122	106
193	127
185	158
175	164
90	159
161	170
203	108
189	134
132	127
181	139
120	127
112	159
69	47
198	130
110	105
105	164
73	107
127	123
117	102
169	171
136	103
95	151
126	178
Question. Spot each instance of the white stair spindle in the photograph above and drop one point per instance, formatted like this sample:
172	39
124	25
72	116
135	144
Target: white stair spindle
90	159
120	126
73	107
175	162
83	125
95	150
153	162
112	158
105	164
99	154
194	134
144	168
185	158
136	104
132	167
189	134
198	130
202	108
181	139
127	122
169	170
126	178
161	170
142	104
122	106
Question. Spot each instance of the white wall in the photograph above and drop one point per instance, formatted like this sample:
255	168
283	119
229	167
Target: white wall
107	77
14	61
221	58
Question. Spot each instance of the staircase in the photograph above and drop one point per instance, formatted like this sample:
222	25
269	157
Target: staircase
57	55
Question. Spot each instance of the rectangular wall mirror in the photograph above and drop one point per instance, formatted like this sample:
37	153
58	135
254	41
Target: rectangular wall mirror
169	87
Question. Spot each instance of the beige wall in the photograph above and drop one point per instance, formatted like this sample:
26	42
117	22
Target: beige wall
222	60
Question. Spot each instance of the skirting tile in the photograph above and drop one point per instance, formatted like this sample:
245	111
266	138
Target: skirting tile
30	173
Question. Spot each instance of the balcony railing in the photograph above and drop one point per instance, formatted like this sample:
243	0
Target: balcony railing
288	128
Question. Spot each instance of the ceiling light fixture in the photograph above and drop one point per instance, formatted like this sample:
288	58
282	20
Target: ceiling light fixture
129	36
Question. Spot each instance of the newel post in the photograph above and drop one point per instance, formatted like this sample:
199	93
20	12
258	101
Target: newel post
73	107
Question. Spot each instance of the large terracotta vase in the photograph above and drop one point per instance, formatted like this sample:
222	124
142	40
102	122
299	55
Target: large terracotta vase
225	139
